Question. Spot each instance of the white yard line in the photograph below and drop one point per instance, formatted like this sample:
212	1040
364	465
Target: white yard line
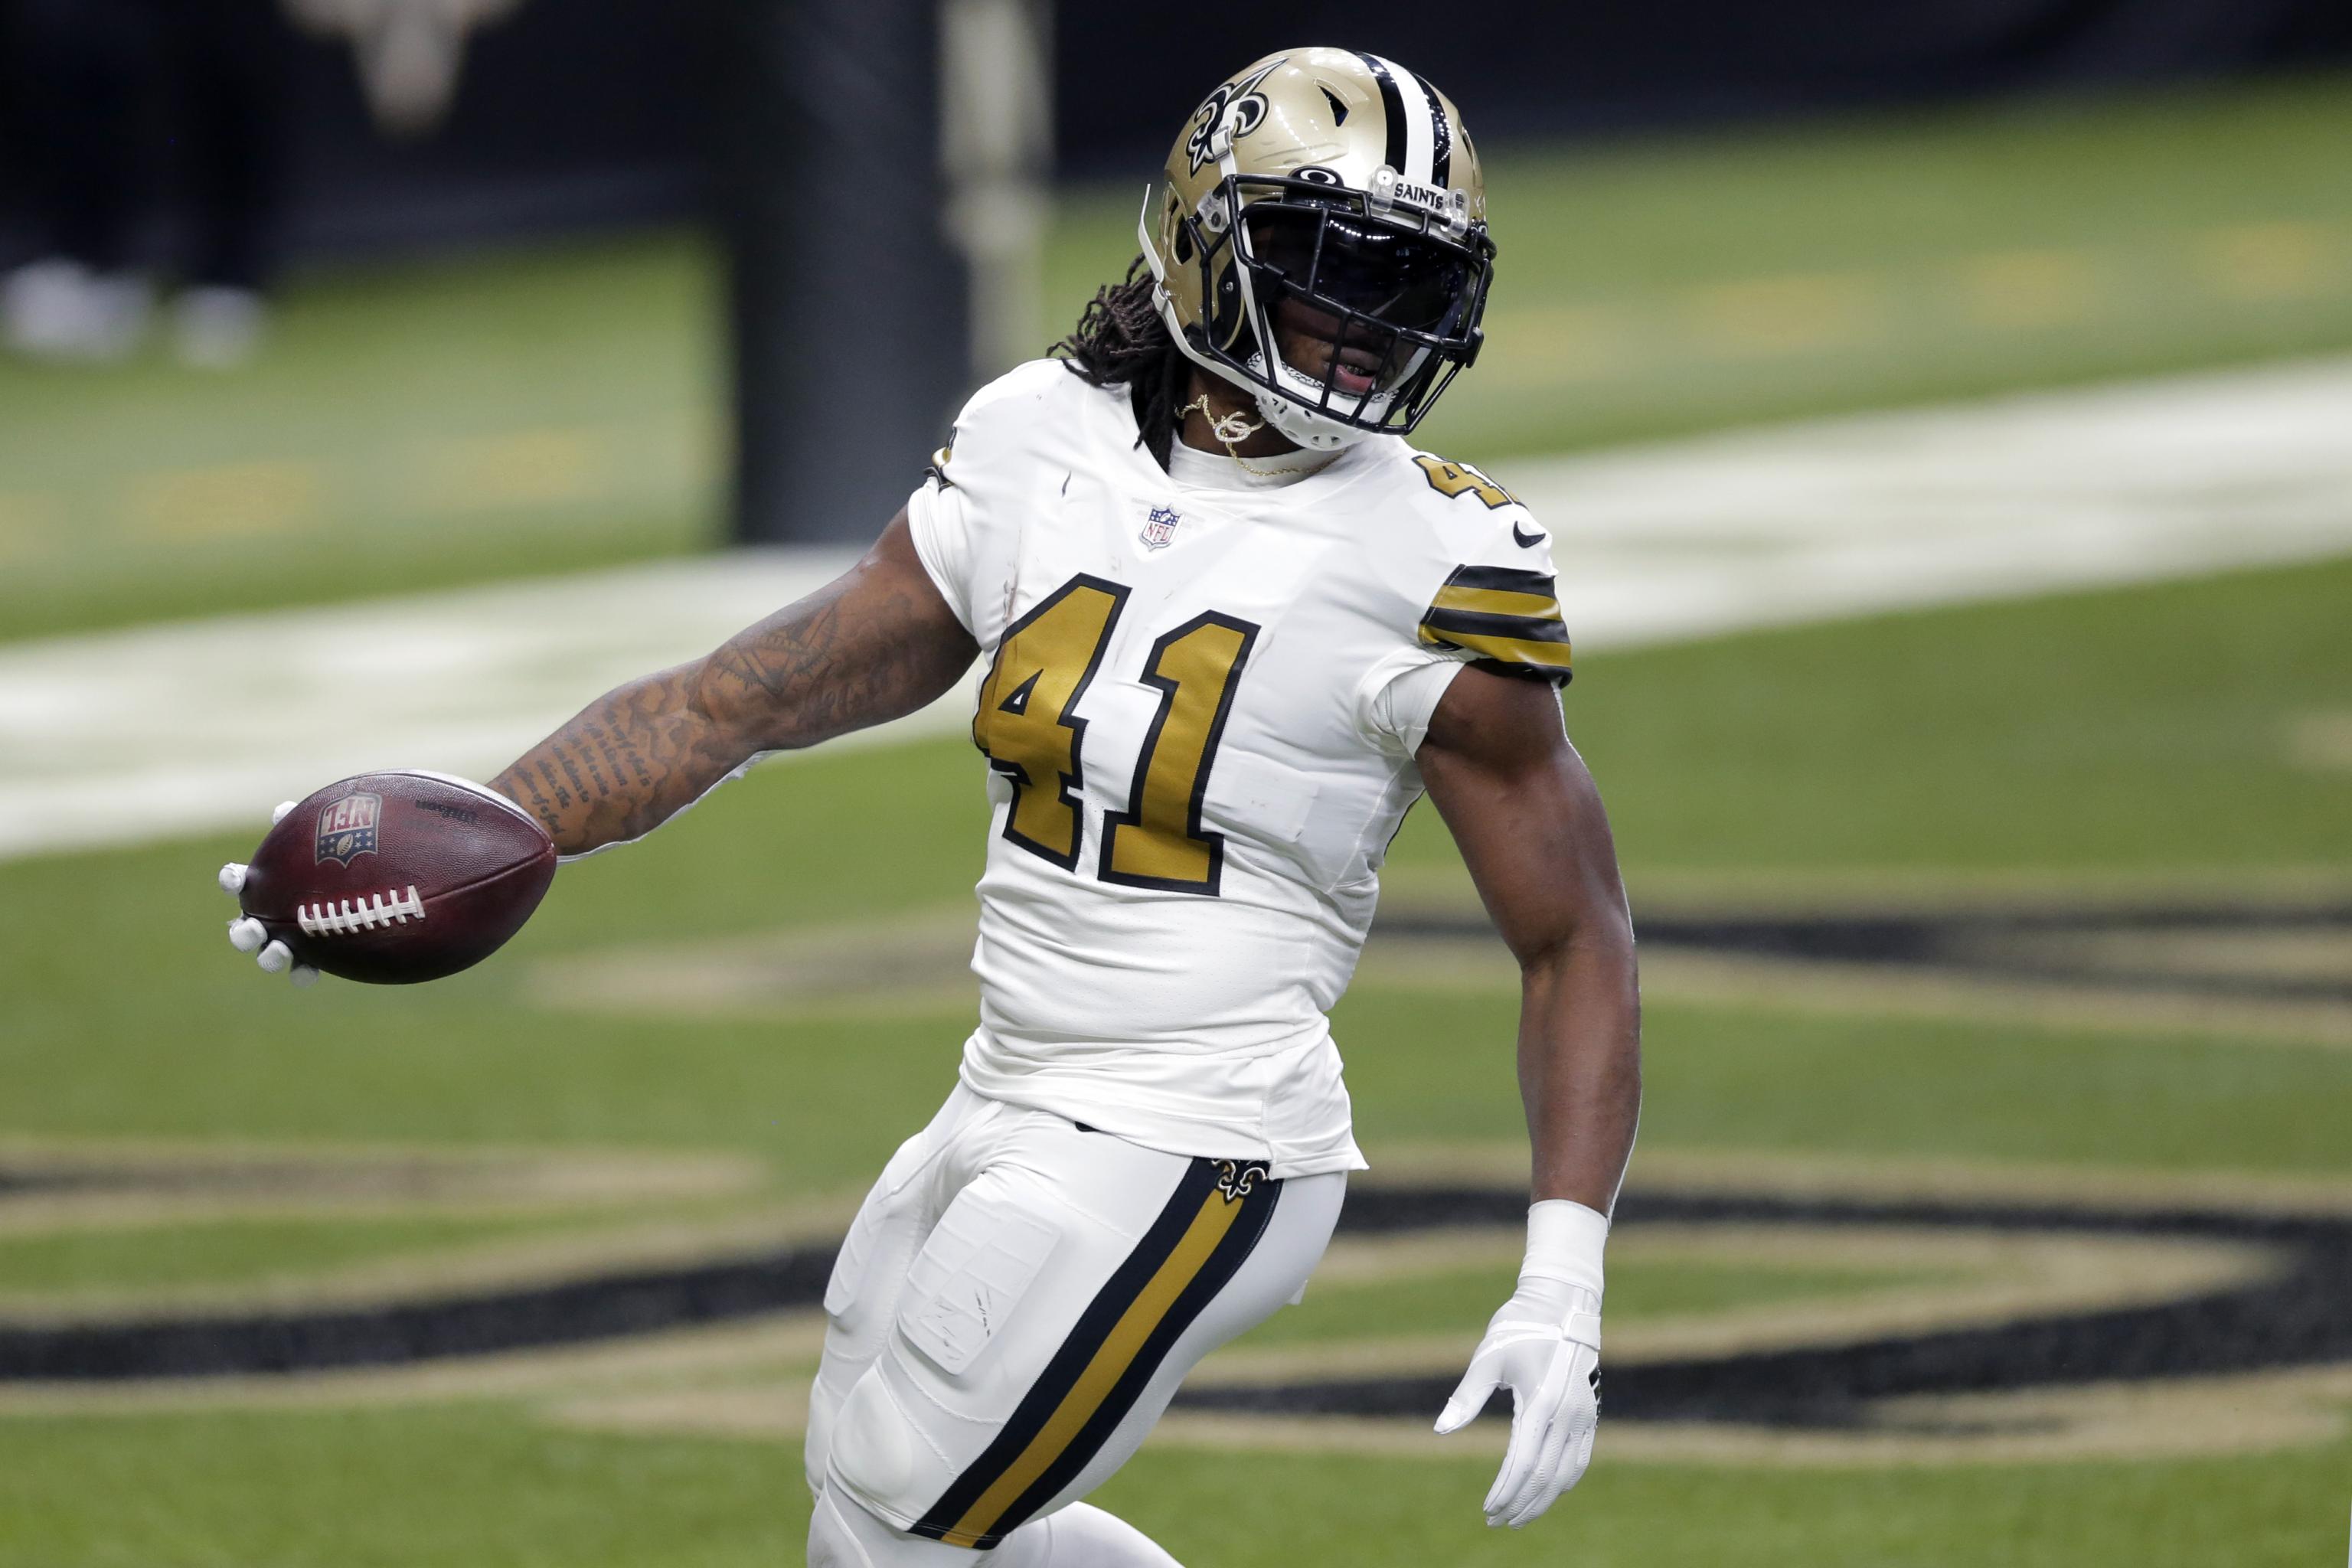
167	731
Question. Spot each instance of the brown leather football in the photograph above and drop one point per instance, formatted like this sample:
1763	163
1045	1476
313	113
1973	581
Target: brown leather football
399	877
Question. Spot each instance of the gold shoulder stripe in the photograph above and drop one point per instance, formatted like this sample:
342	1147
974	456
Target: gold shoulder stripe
1505	615
1545	654
1496	602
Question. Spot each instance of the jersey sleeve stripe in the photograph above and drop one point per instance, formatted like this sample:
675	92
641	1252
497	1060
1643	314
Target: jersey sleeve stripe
1504	578
1547	653
1442	626
1496	602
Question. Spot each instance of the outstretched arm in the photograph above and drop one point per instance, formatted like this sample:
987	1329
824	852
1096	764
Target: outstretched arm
1524	810
1529	819
875	644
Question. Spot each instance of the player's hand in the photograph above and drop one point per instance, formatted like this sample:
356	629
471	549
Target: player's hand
1545	1347
250	935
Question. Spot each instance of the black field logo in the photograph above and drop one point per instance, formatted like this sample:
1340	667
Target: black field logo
2016	1304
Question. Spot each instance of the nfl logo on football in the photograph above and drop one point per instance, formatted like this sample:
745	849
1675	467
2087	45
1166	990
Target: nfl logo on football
1159	528
346	828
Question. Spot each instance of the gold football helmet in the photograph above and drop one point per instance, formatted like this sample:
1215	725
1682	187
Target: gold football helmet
1319	238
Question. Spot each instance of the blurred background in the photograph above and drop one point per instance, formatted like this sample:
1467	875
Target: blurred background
1944	414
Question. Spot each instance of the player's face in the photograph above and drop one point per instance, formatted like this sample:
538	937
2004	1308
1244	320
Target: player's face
1311	343
1394	279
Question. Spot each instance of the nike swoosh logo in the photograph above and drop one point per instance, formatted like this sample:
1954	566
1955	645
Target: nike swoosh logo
1526	541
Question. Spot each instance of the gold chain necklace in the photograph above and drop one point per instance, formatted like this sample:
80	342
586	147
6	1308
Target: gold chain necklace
1231	431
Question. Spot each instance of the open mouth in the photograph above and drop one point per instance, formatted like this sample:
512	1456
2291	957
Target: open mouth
1352	370
1355	372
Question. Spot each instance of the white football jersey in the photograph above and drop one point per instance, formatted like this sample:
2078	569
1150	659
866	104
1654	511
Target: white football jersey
1200	707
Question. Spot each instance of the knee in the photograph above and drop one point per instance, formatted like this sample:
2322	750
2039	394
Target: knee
871	1446
843	1534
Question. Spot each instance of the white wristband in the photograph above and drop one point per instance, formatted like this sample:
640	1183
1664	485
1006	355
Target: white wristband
1565	1241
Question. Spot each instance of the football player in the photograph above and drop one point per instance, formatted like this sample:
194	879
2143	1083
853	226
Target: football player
1233	626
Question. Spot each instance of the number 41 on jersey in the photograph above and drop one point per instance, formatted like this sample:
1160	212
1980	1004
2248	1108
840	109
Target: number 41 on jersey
1029	725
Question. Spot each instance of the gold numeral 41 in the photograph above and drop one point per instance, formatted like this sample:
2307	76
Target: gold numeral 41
1028	725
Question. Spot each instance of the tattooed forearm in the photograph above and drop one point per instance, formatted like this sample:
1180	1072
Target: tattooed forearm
872	645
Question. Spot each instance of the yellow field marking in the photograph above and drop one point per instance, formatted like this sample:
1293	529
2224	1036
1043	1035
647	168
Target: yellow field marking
2272	261
2003	1276
2196	1416
139	1187
231	500
1895	991
518	469
681	1359
2247	1413
919	964
152	1183
774	1410
921	967
2031	288
1792	314
587	1249
1551	344
1731	1172
2322	741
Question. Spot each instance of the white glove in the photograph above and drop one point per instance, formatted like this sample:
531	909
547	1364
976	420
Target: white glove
1545	1347
249	935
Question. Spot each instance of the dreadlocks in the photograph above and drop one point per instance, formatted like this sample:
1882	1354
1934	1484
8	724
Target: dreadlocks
1122	342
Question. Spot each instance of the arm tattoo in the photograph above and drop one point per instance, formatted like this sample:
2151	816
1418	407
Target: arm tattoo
877	644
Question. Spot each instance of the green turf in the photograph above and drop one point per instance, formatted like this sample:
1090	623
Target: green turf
1252	1510
1749	1078
404	428
1458	1300
2140	734
480	1486
2076	763
387	1490
2138	731
551	409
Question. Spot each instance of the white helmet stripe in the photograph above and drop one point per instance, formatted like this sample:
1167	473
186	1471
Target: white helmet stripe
1400	93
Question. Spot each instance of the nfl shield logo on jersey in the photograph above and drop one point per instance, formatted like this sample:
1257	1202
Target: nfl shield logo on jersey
346	828
1159	528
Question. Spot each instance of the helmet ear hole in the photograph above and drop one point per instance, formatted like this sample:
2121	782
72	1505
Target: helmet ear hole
1226	308
1184	246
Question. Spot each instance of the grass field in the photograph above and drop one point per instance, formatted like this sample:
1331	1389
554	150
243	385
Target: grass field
2034	779
180	1138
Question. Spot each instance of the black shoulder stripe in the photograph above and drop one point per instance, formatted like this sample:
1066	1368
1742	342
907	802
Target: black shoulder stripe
1472	622
1523	671
1506	579
1391	106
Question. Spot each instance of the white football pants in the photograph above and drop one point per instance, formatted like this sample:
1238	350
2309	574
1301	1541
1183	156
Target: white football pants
1015	1306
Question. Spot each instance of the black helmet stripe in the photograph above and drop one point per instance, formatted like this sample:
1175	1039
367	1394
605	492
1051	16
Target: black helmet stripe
1441	134
1391	109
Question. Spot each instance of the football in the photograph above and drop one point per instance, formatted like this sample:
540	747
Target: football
396	878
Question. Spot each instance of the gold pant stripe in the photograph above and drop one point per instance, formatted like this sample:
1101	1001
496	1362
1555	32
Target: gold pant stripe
1110	1361
1497	602
1509	650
